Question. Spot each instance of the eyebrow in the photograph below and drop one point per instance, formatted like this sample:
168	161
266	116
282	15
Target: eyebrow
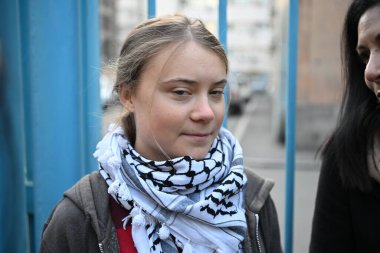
189	81
361	47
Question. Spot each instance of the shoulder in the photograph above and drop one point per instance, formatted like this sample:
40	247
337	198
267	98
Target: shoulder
87	184
71	209
73	203
73	218
261	212
257	190
65	220
90	189
64	215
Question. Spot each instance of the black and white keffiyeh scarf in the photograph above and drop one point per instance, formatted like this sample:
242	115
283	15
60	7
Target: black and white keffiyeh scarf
196	205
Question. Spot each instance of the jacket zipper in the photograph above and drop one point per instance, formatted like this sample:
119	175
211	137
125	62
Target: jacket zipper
257	233
101	247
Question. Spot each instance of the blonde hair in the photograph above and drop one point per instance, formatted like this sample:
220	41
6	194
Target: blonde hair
145	41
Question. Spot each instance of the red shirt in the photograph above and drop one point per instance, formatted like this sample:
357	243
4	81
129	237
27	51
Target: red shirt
124	237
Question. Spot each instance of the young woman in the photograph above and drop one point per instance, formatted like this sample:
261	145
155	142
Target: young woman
347	207
170	178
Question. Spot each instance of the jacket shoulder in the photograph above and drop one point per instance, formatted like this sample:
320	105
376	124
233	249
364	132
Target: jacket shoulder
261	216
257	190
66	226
80	219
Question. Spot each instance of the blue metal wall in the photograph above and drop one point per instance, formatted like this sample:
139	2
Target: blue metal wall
13	220
50	114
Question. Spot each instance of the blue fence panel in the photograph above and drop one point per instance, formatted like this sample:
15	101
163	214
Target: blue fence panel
50	114
14	225
63	89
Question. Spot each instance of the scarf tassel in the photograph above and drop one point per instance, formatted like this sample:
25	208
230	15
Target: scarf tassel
114	187
139	233
164	232
124	192
134	212
187	248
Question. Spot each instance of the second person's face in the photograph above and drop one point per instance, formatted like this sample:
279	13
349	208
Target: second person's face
179	104
368	47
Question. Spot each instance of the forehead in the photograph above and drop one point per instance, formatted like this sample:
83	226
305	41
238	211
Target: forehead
175	55
186	60
370	22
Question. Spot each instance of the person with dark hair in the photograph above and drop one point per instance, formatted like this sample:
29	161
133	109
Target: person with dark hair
347	208
170	178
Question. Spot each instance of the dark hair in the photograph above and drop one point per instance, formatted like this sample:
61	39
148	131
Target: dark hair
358	123
147	40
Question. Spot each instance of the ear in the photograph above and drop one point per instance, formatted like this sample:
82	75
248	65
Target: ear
126	98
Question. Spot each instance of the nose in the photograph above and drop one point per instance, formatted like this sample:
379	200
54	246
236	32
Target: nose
372	71
202	110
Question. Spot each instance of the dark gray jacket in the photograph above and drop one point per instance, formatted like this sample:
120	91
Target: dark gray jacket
81	221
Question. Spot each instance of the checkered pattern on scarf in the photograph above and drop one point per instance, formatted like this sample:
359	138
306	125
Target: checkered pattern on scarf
200	201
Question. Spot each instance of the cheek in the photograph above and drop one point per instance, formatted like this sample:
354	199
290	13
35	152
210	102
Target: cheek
368	84
219	113
165	117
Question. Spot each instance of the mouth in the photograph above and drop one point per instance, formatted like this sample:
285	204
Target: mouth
198	136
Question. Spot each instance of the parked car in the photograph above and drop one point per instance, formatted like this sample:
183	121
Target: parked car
240	94
259	83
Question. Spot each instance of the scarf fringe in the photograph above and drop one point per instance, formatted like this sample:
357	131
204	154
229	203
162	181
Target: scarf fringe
188	248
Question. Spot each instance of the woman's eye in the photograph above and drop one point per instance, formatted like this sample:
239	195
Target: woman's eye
181	92
218	92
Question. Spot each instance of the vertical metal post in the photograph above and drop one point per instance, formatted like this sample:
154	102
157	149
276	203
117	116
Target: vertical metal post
151	8
14	226
222	34
290	136
90	35
222	27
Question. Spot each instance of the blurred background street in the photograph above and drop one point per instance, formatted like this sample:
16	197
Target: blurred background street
267	158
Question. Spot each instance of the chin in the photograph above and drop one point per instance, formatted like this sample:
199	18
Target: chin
194	152
199	156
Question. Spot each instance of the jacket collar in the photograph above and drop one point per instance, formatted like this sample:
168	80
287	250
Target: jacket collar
257	190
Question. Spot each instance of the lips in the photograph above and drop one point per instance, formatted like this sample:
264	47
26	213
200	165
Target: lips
198	137
197	134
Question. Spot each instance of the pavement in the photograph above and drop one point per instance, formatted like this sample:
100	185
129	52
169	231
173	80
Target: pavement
267	158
